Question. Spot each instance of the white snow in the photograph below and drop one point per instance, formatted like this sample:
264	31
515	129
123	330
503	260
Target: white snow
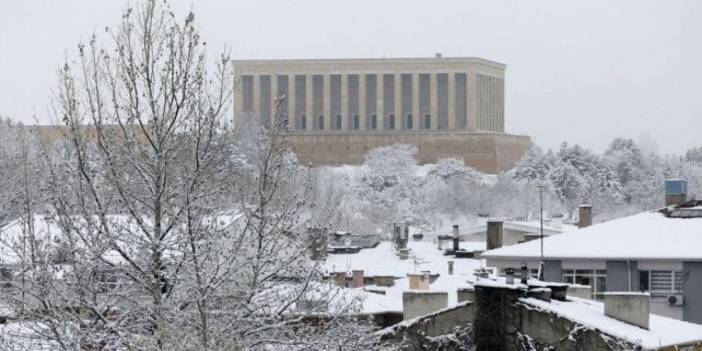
648	235
382	261
662	331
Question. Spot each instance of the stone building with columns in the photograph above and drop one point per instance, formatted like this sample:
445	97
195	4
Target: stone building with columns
338	109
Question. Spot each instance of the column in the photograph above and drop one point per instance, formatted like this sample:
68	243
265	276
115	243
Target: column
451	101
472	100
256	95
326	102
292	119
274	97
361	101
238	97
309	103
415	102
380	95
433	101
344	101
399	119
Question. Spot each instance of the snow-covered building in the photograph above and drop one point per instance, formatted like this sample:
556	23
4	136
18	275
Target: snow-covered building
382	276
659	252
514	231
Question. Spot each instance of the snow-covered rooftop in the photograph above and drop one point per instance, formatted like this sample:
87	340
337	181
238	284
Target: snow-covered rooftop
662	331
647	235
424	256
382	260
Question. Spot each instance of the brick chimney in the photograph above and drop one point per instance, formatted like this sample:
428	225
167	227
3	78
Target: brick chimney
357	281
494	234
629	307
584	216
341	278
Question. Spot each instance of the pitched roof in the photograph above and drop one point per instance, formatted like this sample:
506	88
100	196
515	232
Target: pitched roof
647	235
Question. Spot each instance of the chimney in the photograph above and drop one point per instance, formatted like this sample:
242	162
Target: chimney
450	267
629	307
509	276
675	192
437	55
584	216
418	281
494	234
455	238
341	278
557	221
404	254
357	281
420	303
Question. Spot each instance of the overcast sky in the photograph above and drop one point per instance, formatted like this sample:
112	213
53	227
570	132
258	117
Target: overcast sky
581	72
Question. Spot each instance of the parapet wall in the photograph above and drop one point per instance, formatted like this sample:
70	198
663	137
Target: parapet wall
486	152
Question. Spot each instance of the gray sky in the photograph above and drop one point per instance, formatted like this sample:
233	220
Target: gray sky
582	72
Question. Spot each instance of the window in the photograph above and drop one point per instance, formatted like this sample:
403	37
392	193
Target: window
320	122
391	121
356	122
338	121
661	284
427	121
408	121
374	121
303	122
596	279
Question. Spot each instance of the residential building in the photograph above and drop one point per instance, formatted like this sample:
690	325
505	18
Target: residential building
656	252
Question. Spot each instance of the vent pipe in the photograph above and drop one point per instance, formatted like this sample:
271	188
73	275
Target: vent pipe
455	238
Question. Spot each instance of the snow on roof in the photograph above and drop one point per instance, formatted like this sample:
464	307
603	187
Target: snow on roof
523	226
647	235
662	331
382	261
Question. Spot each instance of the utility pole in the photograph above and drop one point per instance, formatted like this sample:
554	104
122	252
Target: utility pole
541	236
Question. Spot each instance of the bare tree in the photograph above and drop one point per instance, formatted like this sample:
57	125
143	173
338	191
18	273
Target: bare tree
153	252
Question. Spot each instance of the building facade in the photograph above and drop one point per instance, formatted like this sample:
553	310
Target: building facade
338	109
655	252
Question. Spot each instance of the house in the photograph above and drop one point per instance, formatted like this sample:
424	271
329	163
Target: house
658	252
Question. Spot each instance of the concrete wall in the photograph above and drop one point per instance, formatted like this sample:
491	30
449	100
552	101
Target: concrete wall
419	303
415	336
548	331
486	152
692	291
465	294
553	271
631	308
